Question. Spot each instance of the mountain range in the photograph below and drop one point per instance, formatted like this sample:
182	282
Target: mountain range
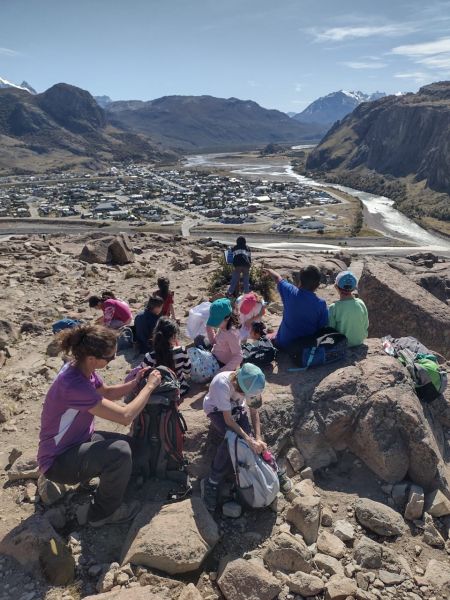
4	84
61	128
398	146
333	107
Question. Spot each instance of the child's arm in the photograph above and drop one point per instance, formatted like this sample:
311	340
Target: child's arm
275	276
256	424
255	445
210	332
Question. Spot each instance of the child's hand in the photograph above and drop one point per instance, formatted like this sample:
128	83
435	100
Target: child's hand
258	446
141	373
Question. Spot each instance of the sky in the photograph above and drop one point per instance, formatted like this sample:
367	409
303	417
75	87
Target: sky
281	53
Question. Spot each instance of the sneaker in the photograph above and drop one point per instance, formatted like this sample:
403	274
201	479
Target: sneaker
285	482
209	492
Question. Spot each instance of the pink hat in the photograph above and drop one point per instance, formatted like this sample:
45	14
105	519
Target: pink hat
248	303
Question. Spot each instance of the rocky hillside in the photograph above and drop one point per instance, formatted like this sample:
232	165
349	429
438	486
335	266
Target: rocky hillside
60	127
369	516
399	144
333	107
194	123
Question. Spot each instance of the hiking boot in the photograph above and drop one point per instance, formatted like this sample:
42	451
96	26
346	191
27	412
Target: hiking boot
125	513
209	493
285	482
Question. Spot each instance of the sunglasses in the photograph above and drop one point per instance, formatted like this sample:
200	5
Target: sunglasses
108	358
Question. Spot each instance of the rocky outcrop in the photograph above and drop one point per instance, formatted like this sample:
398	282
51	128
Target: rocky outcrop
115	250
371	409
247	580
154	539
399	307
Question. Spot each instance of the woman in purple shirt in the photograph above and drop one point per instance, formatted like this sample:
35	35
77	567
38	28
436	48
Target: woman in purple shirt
70	451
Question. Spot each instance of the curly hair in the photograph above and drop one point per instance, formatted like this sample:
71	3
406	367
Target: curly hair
87	340
164	331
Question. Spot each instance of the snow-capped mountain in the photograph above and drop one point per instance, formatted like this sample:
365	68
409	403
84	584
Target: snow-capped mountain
4	83
335	106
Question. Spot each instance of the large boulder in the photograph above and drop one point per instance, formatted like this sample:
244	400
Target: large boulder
247	580
134	593
370	408
173	538
114	250
287	553
379	518
305	513
399	307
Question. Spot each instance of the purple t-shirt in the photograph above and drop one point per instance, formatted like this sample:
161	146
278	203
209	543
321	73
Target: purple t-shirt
65	420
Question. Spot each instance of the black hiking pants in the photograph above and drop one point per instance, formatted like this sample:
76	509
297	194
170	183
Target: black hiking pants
107	456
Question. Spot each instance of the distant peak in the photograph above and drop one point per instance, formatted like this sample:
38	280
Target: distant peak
4	84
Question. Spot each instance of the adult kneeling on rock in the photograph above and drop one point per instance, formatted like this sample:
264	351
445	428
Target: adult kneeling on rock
70	451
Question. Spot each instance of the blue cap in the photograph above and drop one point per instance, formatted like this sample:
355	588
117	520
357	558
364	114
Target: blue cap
345	280
218	311
251	379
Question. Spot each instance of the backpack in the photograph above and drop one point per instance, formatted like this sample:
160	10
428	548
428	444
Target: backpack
159	431
125	339
65	324
430	378
257	482
204	365
261	355
326	347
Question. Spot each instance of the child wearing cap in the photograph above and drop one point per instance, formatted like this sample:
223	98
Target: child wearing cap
223	335
250	308
349	314
225	404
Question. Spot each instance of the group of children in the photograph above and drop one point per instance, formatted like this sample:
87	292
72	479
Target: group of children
69	449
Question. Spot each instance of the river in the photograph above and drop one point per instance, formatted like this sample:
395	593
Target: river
379	211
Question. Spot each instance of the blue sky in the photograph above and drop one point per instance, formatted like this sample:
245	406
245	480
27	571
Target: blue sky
281	53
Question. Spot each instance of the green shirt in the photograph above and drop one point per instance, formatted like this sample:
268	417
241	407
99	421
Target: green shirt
350	317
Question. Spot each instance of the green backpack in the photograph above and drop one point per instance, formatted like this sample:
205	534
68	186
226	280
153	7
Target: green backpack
430	378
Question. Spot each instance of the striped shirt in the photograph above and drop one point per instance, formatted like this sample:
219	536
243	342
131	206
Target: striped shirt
182	366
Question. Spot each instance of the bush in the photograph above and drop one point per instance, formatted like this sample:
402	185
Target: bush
259	282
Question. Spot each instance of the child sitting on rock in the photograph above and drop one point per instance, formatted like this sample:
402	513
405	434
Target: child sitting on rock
229	395
167	295
223	335
116	313
145	322
348	315
168	352
249	308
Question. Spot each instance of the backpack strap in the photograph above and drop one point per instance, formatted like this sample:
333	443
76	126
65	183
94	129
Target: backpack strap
309	361
236	468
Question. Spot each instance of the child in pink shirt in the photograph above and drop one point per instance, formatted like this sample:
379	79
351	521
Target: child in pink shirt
223	335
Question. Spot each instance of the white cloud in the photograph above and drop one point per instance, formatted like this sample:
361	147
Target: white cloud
298	87
340	34
417	76
8	52
424	49
363	65
441	61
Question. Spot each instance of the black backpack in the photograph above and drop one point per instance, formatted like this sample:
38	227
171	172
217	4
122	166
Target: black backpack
261	355
159	431
326	347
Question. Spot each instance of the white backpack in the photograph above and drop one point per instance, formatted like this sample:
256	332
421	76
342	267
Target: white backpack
257	481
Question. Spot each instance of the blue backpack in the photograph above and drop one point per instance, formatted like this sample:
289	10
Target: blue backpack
65	324
327	346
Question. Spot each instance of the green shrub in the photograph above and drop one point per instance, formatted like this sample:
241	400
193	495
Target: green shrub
259	282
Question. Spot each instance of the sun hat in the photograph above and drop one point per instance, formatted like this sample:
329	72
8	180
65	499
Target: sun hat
218	311
345	280
251	380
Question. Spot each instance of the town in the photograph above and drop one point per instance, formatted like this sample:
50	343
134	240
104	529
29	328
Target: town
140	195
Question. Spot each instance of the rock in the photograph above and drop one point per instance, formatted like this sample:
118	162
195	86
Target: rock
344	531
379	518
414	507
327	543
389	578
49	491
53	348
25	467
107	578
121	578
431	535
405	307
179	265
57	562
339	588
437	576
132	593
400	494
8	333
295	459
307	474
32	327
306	487
190	592
328	564
305	584
232	510
200	257
44	272
154	538
437	504
247	580
113	250
304	513
327	517
286	552
368	553
163	587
